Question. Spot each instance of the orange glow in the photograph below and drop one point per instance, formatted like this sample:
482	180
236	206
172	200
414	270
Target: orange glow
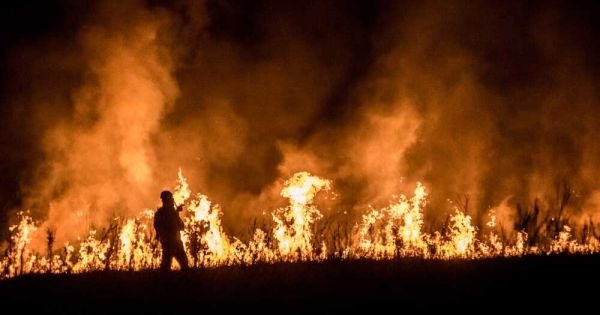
393	231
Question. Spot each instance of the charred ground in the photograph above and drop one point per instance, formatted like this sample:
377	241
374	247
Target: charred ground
303	287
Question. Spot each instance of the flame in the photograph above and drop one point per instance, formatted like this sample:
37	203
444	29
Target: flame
92	253
182	190
395	230
392	231
19	258
462	235
494	245
206	229
293	223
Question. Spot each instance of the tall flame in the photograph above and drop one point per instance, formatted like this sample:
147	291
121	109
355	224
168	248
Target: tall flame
390	232
293	223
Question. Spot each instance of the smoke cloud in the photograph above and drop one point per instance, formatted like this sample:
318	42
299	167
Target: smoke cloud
488	105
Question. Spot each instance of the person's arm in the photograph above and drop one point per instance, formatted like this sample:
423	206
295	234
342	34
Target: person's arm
180	224
157	225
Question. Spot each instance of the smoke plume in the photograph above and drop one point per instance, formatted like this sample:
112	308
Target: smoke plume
488	105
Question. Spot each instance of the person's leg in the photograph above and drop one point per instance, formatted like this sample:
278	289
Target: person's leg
167	256
181	256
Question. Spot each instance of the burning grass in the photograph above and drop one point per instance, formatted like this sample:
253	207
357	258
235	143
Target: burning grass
395	231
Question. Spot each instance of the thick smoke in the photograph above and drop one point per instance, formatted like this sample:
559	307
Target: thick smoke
100	158
487	105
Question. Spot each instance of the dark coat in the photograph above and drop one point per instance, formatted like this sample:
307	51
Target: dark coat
167	224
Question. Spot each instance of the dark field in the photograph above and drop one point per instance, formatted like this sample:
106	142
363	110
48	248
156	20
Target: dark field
306	287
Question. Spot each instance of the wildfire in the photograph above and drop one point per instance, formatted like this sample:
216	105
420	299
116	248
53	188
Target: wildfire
182	190
393	231
293	224
203	227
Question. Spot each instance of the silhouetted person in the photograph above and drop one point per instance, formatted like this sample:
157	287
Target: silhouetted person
168	225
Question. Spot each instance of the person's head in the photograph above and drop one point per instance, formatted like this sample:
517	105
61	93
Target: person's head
167	198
